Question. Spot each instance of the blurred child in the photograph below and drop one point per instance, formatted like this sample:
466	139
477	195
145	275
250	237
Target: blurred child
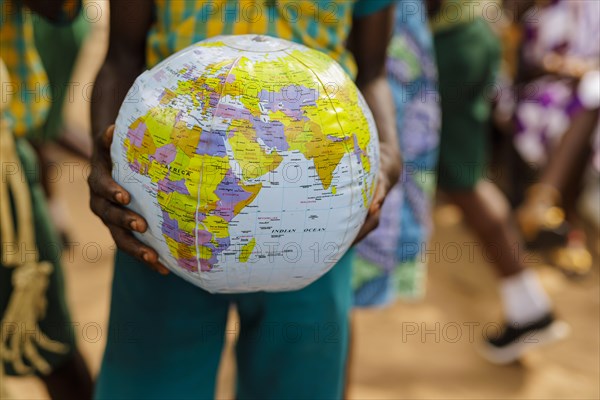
557	119
37	333
468	55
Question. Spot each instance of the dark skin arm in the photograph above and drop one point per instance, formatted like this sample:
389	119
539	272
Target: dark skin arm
433	6
125	60
368	42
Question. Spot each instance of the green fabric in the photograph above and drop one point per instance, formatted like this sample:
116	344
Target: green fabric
468	58
165	338
58	47
57	322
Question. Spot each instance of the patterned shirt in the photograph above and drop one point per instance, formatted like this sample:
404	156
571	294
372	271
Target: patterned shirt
322	25
29	86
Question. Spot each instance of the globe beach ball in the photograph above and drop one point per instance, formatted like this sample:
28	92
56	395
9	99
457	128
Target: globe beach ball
253	160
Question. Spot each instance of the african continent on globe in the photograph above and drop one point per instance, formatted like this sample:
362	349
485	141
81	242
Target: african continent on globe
253	160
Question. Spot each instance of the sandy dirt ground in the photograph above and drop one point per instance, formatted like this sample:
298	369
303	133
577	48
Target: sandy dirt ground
423	350
420	350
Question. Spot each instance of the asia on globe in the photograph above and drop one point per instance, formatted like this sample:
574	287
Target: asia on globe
253	160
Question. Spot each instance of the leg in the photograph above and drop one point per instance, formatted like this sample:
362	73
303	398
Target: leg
468	55
561	178
541	216
294	344
569	159
71	380
488	213
165	336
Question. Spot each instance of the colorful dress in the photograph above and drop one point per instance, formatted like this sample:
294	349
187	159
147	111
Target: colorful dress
390	261
549	104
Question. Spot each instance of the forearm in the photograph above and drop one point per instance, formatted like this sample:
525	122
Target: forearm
378	96
111	87
559	65
569	66
377	93
129	24
368	42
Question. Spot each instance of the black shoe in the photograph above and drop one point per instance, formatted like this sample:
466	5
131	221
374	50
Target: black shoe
514	340
549	238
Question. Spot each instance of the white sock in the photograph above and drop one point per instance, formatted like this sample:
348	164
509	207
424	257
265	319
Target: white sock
523	298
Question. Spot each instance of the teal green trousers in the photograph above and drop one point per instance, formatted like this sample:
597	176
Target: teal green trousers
166	336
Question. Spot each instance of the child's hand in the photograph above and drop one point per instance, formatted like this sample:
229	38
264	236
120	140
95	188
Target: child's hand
108	200
388	176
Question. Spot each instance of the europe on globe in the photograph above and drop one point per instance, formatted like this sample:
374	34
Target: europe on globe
253	160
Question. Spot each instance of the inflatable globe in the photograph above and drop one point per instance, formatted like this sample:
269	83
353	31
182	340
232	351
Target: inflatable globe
253	160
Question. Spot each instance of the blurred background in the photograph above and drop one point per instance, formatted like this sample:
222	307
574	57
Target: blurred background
420	349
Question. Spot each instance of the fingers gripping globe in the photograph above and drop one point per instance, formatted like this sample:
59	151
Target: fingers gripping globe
253	160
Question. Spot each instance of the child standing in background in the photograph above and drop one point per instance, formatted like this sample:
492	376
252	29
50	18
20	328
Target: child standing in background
558	126
37	333
468	56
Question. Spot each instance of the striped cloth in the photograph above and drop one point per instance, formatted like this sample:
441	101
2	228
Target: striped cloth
323	25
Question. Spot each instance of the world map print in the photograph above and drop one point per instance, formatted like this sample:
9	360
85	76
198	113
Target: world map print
253	159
